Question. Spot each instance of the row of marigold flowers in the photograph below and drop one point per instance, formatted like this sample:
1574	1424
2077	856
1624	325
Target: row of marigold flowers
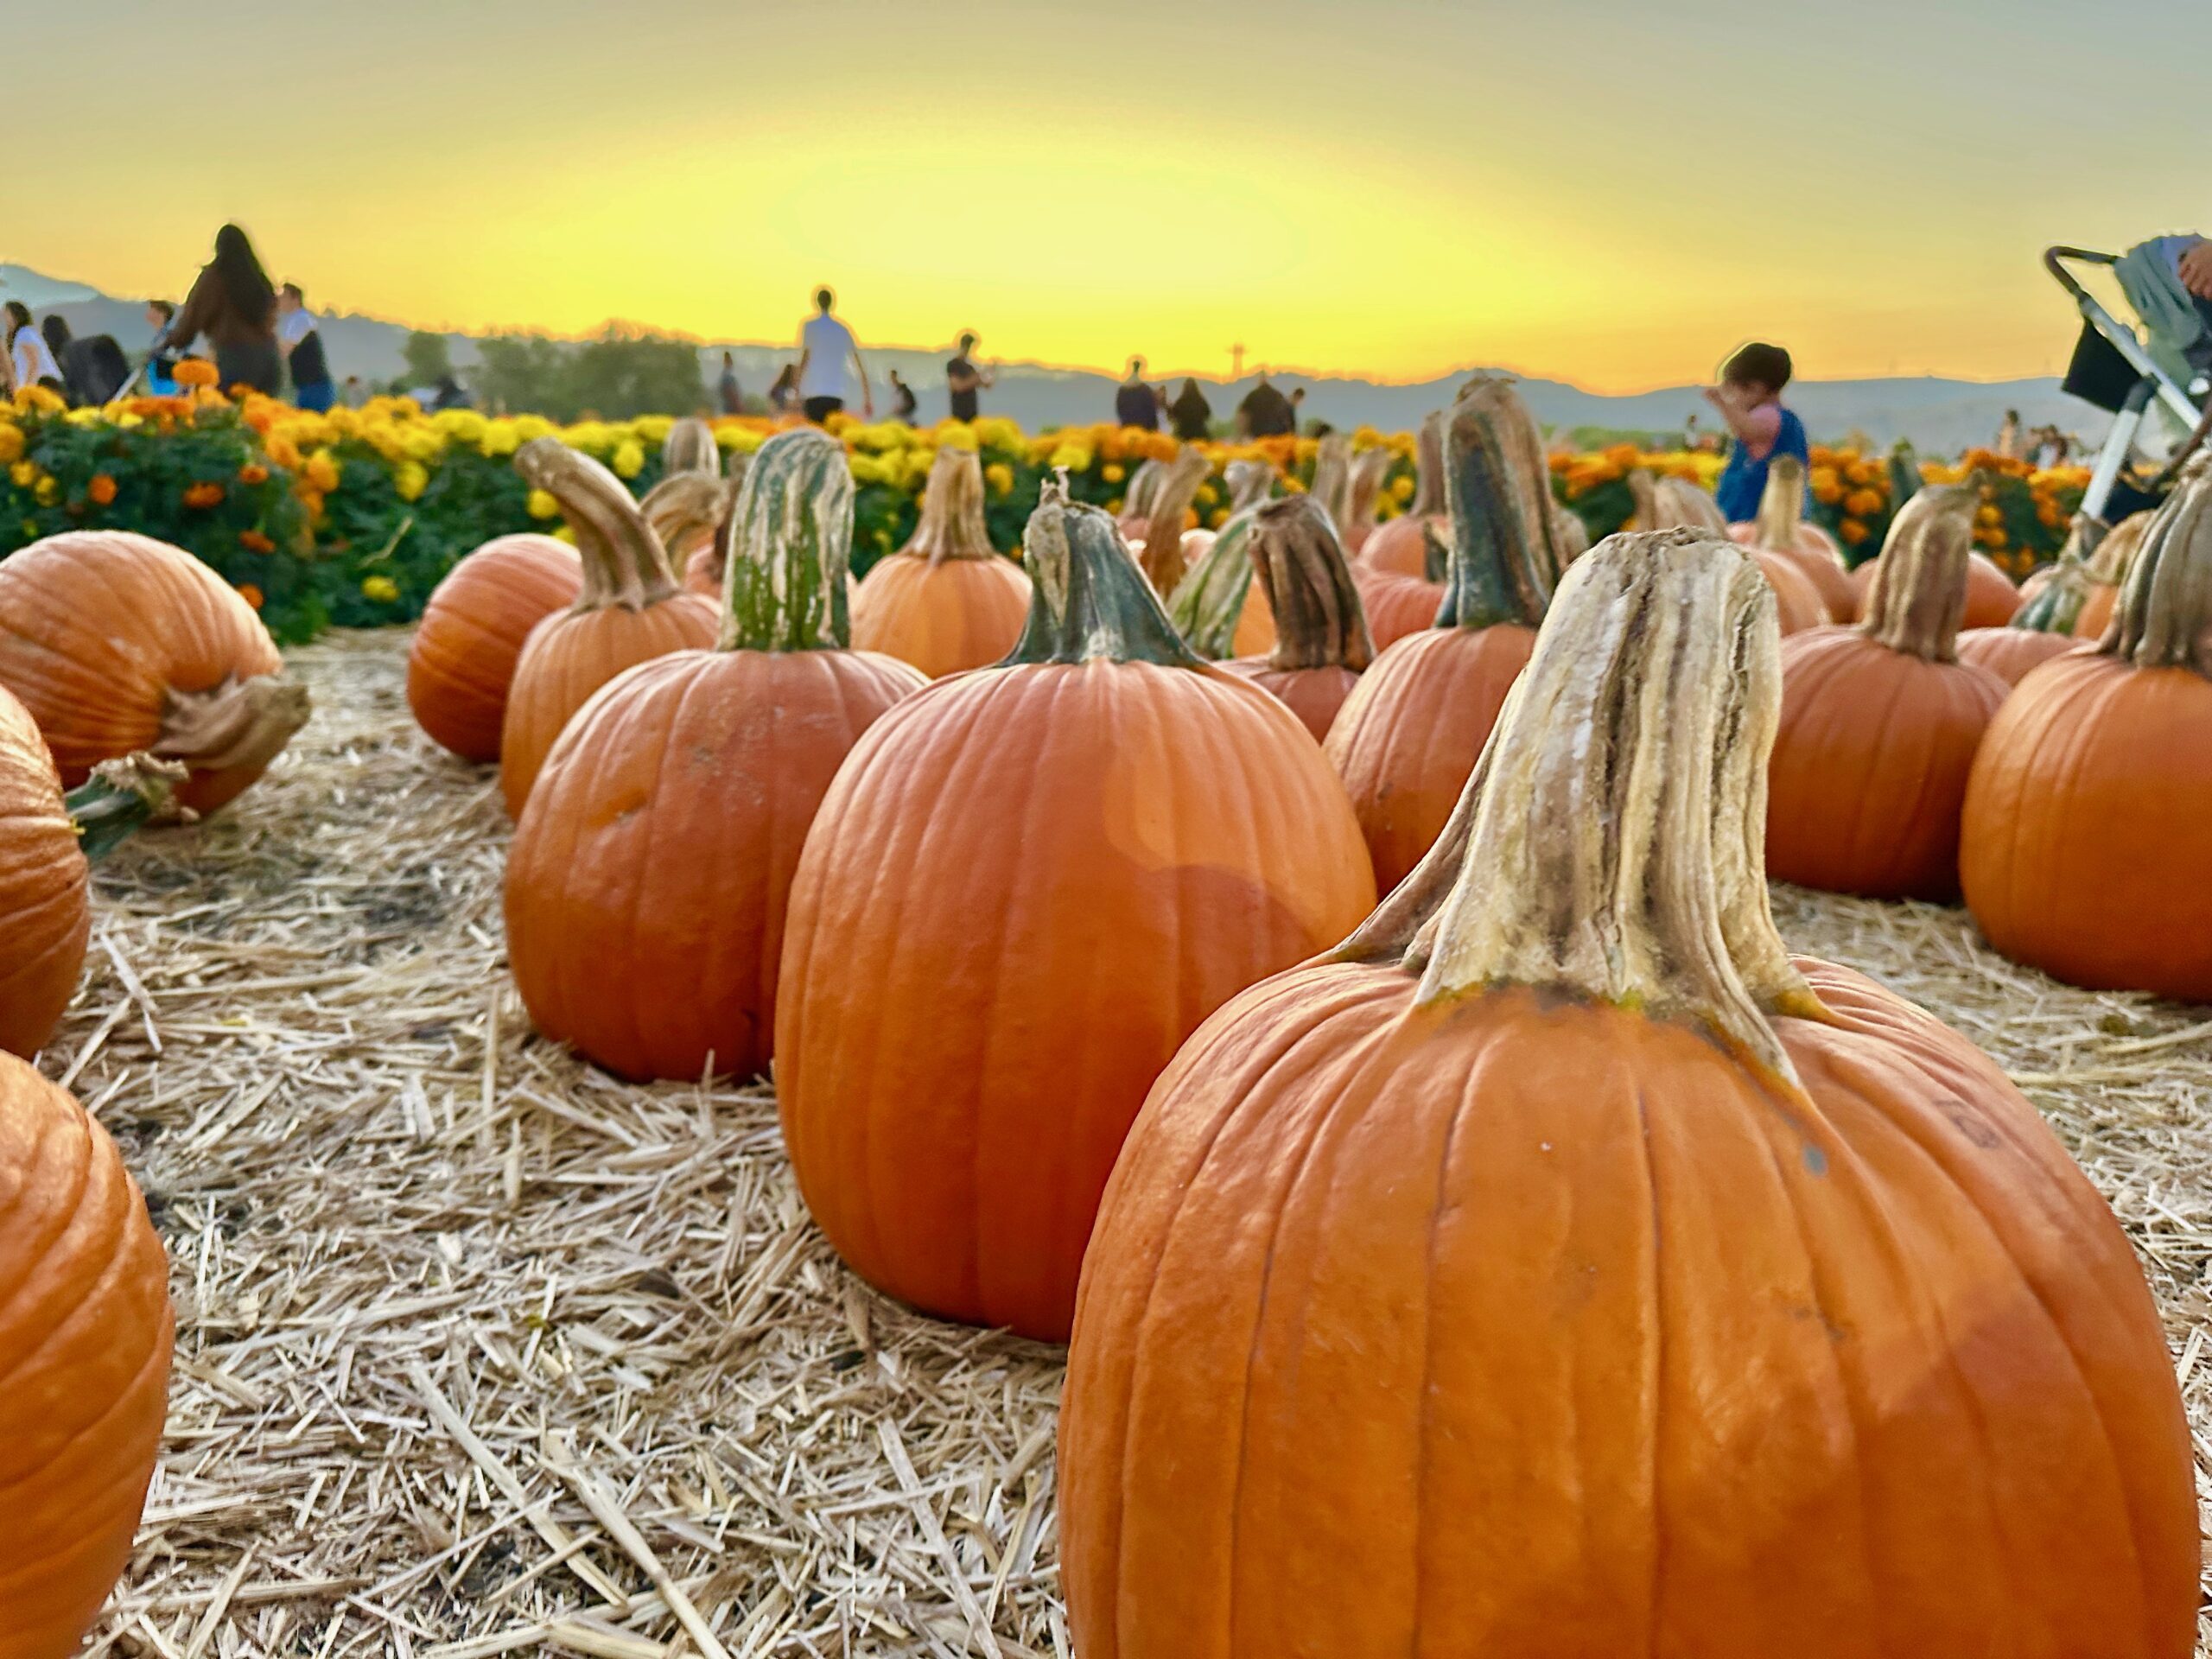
352	518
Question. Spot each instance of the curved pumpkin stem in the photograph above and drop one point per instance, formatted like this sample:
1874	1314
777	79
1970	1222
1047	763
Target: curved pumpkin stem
2058	606
1332	485
1179	484
1319	622
1608	852
120	798
2163	618
686	507
786	547
1430	500
624	561
1363	492
689	447
1143	488
951	525
1209	602
1919	594
1503	564
1251	483
238	723
1090	599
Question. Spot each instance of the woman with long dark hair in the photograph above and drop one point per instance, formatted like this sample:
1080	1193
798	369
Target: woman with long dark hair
233	303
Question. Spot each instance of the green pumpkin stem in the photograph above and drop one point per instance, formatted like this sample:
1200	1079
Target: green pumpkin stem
1503	563
1319	622
1090	602
120	798
951	525
2163	618
1209	602
1919	595
1251	483
624	562
786	548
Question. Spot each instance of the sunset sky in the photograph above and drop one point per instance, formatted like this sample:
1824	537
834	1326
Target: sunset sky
1613	191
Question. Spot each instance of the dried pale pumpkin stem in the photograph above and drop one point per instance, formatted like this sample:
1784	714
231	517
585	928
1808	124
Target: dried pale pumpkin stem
1501	567
1332	485
1919	594
1319	622
238	723
1250	482
2165	616
951	525
1782	504
689	447
1180	483
624	561
1363	494
1430	497
687	508
1671	504
1608	856
1090	602
120	798
786	548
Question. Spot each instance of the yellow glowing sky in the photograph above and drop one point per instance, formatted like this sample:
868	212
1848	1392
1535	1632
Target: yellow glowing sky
1613	191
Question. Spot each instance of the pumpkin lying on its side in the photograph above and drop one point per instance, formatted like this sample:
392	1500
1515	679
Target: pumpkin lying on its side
463	657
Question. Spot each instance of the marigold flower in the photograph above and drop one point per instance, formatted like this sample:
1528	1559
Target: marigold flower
1401	488
41	400
1862	503
1852	533
253	473
11	443
1112	473
542	505
254	541
322	471
410	480
23	474
629	458
101	490
1000	477
47	491
383	589
196	371
251	594
199	497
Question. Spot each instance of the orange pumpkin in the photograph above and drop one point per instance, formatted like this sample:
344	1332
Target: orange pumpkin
1025	887
1880	722
2012	652
1670	503
656	966
1322	646
629	612
2105	573
471	635
1399	605
1560	1268
118	644
1991	599
2087	829
85	1331
947	601
1407	736
1401	547
1781	527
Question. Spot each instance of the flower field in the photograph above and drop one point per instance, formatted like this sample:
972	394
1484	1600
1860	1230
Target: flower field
350	518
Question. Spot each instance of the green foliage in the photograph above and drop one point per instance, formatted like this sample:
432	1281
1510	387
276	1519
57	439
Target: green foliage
428	359
622	374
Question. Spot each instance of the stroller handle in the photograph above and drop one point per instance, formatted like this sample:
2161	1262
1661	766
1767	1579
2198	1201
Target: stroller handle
2054	261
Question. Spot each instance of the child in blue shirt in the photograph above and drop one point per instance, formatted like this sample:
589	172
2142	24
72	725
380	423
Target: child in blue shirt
1749	399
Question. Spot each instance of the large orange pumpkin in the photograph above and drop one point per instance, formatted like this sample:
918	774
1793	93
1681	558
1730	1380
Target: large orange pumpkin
118	644
1025	887
85	1333
1407	736
629	612
1220	611
1880	722
472	633
1401	547
947	601
1321	647
47	841
1397	604
1560	1268
1781	527
656	962
1991	599
1672	502
2087	830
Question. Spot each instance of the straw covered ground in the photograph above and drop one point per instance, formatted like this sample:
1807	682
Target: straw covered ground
481	1353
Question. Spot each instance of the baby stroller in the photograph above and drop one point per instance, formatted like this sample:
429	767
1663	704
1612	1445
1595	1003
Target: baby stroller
2168	362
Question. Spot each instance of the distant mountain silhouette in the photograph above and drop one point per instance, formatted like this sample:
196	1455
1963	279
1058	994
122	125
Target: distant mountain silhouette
1940	416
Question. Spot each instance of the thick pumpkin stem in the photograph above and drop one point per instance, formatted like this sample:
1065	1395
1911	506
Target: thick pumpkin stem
1209	602
238	723
1363	494
951	525
1090	602
2165	616
1608	843
121	797
1332	485
786	547
1503	564
1430	497
1319	622
624	561
2058	606
1782	504
1250	482
689	447
1672	503
1163	536
1919	594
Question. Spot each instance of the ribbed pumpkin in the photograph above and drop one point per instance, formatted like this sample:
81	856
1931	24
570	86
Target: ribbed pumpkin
1670	504
1561	1269
1781	527
1321	647
120	644
1991	599
2088	829
47	841
1407	736
1401	547
85	1333
1880	722
630	611
1027	887
947	601
656	962
1398	604
1220	611
472	632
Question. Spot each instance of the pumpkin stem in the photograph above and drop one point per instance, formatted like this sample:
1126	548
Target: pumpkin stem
121	797
1364	493
689	447
1782	504
786	547
1675	504
624	561
1319	622
1430	500
2058	606
1332	485
1180	481
238	723
2163	618
1144	488
1611	842
951	525
686	509
1503	563
1090	602
1209	602
1251	483
1919	594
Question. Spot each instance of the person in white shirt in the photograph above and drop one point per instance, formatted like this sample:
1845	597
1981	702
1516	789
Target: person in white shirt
300	339
29	356
828	363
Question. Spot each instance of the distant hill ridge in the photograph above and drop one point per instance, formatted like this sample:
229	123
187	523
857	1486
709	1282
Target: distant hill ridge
1940	416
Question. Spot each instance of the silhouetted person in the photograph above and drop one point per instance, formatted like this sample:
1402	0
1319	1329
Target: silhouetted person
727	392
782	396
1136	403
962	380
93	369
1190	412
1266	413
903	400
233	303
829	363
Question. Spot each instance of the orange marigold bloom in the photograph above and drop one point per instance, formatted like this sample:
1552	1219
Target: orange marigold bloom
253	473
196	371
254	541
101	489
1852	531
202	496
251	594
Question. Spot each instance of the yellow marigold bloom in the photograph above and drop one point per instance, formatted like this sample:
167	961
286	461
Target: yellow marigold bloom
533	426
542	505
913	467
871	469
282	452
592	437
23	474
958	434
39	400
47	491
322	471
11	442
383	589
1217	517
1112	473
1070	456
1989	515
1000	477
564	533
1401	488
87	416
652	429
996	432
629	458
741	441
1208	495
501	438
462	425
410	480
